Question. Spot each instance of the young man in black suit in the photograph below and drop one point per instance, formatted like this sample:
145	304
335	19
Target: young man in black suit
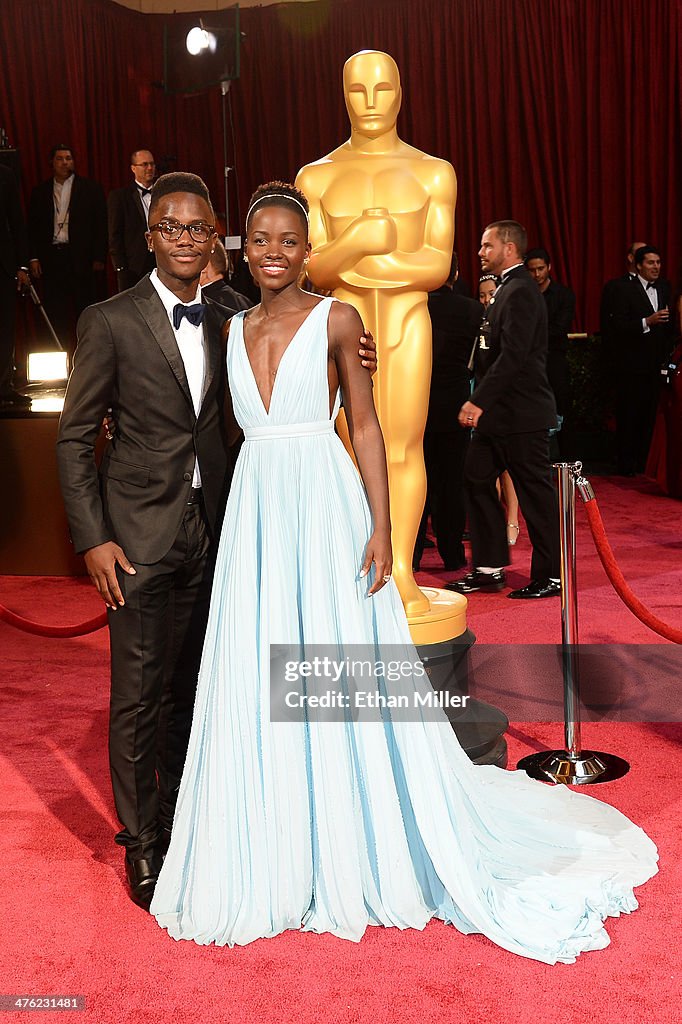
511	411
13	277
128	210
641	328
148	521
67	226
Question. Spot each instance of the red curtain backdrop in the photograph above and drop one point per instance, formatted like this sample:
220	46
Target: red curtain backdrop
564	114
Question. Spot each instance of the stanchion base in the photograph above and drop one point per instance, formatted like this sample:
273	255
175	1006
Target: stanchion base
585	769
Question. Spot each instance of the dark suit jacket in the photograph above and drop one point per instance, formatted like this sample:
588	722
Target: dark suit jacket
632	350
128	358
221	293
560	312
87	223
127	244
455	321
13	238
511	360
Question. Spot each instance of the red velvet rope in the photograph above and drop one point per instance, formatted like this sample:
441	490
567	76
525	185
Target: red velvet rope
617	579
604	551
60	632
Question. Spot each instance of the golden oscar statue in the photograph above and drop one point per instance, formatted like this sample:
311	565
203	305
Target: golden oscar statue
382	230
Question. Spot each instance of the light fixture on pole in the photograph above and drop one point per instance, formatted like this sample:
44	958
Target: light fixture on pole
202	55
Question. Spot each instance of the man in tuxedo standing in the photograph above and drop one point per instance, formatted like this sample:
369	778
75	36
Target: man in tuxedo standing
13	277
67	225
641	329
455	322
128	210
147	522
510	411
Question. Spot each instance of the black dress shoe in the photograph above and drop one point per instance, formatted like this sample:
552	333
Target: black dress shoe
537	588
489	582
142	874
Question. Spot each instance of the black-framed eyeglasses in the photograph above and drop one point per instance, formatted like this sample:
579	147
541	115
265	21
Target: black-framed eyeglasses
146	163
172	230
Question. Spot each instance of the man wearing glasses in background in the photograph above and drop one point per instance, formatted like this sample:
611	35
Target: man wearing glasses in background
146	522
128	210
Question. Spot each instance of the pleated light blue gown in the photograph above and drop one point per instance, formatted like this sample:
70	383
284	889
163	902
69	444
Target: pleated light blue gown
331	827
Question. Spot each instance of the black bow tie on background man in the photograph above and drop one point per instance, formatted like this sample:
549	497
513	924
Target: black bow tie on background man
144	191
651	285
194	313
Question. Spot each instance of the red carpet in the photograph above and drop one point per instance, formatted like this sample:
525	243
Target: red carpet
645	532
68	927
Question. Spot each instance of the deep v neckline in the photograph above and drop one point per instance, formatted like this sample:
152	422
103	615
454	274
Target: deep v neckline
289	344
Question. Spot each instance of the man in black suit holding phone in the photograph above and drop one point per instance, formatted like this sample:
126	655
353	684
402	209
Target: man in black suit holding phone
640	327
128	211
510	412
147	522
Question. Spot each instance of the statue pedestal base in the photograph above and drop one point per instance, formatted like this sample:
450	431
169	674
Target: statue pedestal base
443	641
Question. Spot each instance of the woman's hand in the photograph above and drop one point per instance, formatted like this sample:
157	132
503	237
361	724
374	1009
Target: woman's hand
378	551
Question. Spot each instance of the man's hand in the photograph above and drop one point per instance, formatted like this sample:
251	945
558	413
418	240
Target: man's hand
469	415
100	562
660	317
35	268
368	352
23	280
109	425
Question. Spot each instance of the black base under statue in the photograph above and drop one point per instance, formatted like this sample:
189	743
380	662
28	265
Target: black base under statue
479	727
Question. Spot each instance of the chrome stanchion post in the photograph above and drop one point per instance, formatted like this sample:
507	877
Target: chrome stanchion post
569	607
572	766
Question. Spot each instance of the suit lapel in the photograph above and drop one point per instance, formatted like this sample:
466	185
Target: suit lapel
645	306
212	347
153	312
137	202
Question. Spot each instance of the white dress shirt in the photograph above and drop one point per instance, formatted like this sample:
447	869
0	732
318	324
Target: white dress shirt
191	344
145	200
652	296
61	192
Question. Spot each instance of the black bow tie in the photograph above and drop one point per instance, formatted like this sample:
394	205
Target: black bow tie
651	285
144	191
194	313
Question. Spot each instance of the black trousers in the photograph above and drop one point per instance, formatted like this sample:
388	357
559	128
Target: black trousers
8	300
444	454
156	643
526	457
636	403
66	293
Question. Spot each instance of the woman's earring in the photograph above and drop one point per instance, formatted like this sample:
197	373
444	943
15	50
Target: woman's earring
246	258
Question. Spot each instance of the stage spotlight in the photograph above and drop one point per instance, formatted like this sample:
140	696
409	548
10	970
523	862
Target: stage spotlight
44	366
198	40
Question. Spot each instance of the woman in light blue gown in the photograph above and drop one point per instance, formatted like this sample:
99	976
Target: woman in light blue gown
331	826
